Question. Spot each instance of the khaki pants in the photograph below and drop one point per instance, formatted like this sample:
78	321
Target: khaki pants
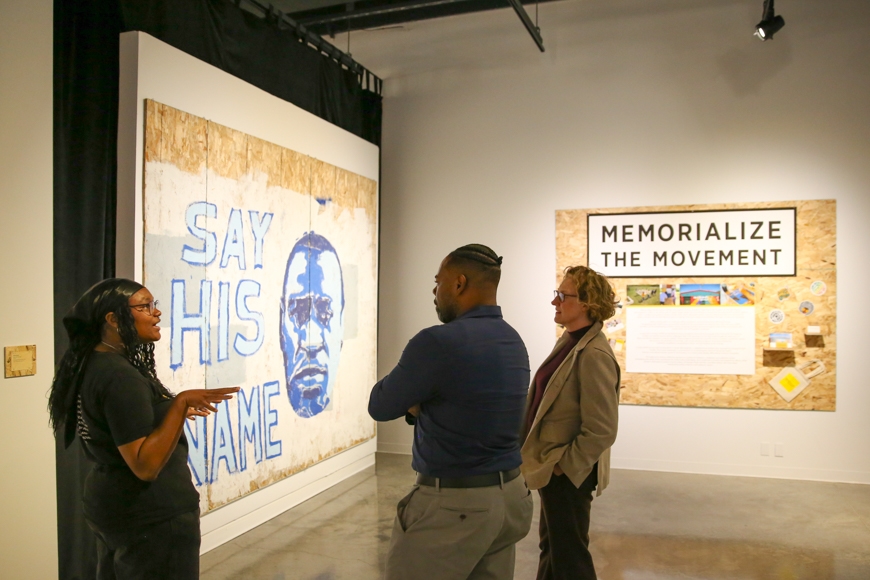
464	533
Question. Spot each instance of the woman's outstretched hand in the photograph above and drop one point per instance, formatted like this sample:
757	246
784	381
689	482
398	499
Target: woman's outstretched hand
146	456
201	402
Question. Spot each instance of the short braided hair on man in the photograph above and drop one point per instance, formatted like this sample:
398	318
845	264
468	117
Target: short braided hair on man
479	263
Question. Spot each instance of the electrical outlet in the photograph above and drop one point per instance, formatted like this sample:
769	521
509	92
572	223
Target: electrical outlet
779	450
765	449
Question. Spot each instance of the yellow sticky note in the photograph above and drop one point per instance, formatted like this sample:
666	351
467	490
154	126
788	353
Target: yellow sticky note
789	382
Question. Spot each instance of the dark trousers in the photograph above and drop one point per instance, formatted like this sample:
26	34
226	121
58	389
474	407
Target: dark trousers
168	550
564	529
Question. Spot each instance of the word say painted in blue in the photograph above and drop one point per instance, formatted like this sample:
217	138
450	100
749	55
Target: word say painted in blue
217	444
233	247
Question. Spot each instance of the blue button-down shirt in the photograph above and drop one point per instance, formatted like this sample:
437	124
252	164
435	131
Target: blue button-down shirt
470	377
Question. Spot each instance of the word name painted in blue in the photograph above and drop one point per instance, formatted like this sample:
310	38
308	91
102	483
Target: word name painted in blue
217	440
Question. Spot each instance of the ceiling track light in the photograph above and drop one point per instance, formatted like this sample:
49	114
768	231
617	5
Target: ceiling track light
770	24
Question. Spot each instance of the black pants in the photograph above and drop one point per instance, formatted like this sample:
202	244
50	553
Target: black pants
168	550
564	529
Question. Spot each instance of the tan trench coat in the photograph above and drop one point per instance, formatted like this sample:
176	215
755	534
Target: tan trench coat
576	423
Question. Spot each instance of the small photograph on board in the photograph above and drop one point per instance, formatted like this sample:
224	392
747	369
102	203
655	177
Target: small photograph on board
700	294
740	294
613	324
617	344
781	340
643	294
669	295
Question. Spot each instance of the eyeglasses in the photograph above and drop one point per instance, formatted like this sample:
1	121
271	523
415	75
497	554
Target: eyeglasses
561	295
151	307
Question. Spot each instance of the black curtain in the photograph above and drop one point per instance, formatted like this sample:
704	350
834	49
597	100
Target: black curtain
259	51
262	52
85	136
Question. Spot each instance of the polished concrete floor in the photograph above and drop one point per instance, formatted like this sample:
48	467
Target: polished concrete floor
646	526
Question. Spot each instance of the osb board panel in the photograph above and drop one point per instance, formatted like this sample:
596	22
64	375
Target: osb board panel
192	143
816	261
175	137
192	164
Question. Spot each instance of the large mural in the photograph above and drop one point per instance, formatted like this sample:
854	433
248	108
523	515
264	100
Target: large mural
265	264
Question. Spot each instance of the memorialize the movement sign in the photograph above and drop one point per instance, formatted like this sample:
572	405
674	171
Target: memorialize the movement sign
750	242
719	304
264	261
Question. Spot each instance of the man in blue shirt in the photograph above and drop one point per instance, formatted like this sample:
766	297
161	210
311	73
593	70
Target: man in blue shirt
463	384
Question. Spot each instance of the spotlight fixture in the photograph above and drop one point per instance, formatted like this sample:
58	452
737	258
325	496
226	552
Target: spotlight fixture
769	24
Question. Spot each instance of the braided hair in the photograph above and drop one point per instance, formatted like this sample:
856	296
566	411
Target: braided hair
479	260
84	324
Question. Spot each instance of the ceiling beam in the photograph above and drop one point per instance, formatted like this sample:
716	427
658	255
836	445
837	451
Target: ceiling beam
374	11
527	22
365	76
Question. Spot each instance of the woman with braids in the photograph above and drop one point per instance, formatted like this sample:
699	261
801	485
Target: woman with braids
570	424
138	499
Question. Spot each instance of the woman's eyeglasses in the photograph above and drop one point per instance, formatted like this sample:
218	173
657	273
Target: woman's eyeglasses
150	307
561	295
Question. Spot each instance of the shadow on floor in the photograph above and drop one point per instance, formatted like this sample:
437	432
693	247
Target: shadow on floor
647	526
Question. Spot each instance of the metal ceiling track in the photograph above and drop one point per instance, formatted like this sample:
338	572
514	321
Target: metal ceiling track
367	79
410	5
527	22
353	14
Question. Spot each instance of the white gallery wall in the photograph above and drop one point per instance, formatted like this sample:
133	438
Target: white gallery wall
27	486
635	103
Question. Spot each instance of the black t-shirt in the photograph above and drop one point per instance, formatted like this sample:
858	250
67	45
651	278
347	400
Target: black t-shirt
117	405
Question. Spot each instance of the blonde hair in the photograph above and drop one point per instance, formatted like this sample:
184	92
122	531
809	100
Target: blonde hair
594	290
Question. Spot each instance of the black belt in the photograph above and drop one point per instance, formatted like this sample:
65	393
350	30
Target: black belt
486	480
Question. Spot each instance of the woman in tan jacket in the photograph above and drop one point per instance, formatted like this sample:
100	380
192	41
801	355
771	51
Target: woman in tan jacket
570	424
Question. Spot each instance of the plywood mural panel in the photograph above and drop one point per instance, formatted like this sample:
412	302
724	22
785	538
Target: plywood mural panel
803	305
265	264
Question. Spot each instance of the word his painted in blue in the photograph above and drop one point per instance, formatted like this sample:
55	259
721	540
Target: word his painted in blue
184	319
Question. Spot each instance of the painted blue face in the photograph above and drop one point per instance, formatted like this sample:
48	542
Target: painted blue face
312	327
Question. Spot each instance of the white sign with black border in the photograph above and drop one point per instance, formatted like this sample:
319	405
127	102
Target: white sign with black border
708	243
